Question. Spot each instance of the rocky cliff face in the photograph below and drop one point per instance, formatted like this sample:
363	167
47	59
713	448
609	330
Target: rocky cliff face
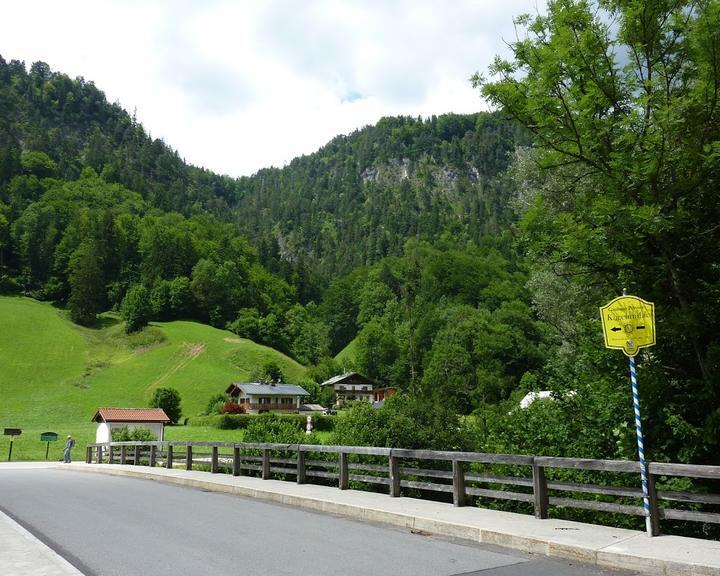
361	197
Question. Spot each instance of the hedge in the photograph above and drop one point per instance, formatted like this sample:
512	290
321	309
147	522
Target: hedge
241	421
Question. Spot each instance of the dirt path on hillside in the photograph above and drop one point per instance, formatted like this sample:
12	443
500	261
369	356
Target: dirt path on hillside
185	354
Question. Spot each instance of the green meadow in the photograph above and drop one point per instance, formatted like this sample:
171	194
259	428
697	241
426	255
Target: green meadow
346	356
54	374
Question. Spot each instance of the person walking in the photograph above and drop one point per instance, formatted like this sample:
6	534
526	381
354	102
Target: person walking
69	446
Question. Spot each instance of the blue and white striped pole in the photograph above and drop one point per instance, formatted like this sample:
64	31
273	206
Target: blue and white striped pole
641	447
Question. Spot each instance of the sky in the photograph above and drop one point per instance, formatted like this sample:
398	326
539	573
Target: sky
236	86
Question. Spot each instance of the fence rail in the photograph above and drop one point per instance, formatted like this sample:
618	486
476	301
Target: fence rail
462	474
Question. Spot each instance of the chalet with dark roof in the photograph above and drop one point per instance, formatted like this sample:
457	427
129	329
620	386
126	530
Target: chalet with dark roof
351	386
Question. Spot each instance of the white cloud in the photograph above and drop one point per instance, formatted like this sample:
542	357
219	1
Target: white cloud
238	86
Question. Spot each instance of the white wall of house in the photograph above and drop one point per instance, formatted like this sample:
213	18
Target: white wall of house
362	392
104	429
102	434
289	401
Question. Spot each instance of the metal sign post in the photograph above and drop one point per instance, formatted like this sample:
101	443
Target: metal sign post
629	325
641	446
48	437
12	432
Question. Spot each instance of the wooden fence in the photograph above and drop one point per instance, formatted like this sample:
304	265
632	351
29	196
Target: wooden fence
532	479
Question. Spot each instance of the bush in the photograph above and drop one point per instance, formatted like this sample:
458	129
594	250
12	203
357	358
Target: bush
169	400
274	429
270	372
205	421
320	423
135	308
215	403
232	408
242	421
147	338
233	421
402	422
9	285
134	435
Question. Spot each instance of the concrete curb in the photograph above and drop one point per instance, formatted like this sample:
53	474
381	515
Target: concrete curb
24	555
603	546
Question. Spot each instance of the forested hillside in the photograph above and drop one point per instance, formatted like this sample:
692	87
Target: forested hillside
93	210
361	196
71	121
353	202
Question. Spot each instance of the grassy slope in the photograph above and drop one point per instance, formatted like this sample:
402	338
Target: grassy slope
347	354
55	374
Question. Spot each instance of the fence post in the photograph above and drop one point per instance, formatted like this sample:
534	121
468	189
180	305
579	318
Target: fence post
266	464
153	455
394	472
654	510
169	459
188	457
99	454
458	483
136	461
236	461
123	454
344	472
111	456
214	460
88	455
540	491
300	467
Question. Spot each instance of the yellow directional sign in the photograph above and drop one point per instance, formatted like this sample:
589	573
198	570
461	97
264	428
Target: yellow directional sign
628	324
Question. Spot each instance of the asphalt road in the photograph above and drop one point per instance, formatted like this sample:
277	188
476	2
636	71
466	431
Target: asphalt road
114	526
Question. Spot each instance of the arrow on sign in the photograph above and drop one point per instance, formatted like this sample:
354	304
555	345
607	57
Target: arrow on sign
616	329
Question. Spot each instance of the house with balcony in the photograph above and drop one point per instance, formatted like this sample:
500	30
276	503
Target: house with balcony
257	397
350	387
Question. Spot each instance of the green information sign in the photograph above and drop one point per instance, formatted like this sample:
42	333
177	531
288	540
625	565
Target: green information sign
48	437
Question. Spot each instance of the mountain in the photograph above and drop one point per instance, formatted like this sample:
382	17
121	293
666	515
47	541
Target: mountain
72	122
392	233
362	196
353	202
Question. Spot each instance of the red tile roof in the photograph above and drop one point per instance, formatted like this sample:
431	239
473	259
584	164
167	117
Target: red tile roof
130	415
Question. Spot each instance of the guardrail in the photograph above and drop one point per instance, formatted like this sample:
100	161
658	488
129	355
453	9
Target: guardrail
462	474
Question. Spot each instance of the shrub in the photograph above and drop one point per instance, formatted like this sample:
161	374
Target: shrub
169	400
320	423
134	435
242	421
147	338
215	403
274	429
135	308
270	372
402	422
232	408
9	285
205	421
233	421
